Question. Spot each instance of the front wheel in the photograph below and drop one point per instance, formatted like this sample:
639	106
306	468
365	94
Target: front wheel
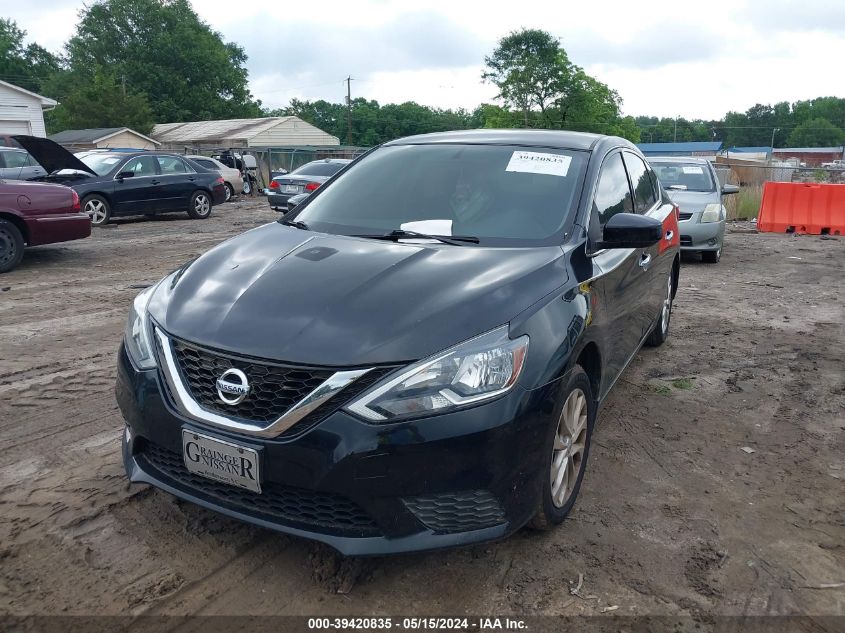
711	257
11	246
247	186
660	332
98	209
200	207
567	448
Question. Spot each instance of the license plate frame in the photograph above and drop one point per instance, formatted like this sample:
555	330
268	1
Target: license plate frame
221	460
290	189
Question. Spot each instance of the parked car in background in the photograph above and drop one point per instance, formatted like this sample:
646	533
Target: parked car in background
32	214
693	185
112	184
17	164
835	164
232	179
415	357
303	179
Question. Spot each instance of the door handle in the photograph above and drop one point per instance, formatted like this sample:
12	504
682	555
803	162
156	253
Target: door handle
645	260
155	182
669	235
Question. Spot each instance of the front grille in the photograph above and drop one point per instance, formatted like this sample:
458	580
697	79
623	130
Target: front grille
686	240
274	388
295	507
684	216
457	511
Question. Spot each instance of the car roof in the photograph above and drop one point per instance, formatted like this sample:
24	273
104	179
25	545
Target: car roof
330	160
560	139
678	159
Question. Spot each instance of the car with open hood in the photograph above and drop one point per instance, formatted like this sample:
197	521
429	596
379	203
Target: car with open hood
411	370
114	183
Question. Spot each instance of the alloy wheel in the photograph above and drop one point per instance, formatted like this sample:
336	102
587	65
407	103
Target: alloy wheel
569	445
96	210
667	307
202	205
228	193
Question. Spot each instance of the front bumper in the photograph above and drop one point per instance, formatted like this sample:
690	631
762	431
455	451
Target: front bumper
363	489
696	236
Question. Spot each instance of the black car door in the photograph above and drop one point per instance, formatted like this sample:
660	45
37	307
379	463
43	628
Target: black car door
139	193
178	180
621	281
655	263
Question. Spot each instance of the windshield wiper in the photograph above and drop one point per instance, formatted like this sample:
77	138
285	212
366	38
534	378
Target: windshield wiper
400	234
298	224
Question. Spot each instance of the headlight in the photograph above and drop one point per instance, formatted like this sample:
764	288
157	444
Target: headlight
137	334
713	213
475	370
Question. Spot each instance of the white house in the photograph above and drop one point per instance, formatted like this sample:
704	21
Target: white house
282	131
102	138
22	111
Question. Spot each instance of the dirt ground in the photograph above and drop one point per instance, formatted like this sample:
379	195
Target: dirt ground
715	484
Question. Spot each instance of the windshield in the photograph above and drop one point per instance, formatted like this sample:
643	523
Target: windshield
503	195
319	169
686	176
101	164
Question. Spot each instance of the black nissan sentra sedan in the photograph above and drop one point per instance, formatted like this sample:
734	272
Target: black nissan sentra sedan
411	370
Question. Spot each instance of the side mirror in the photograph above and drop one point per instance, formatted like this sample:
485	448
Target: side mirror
125	174
728	189
629	230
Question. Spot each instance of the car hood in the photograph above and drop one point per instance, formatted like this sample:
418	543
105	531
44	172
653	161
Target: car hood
50	155
302	297
693	201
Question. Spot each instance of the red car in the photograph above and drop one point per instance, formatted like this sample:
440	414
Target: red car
34	213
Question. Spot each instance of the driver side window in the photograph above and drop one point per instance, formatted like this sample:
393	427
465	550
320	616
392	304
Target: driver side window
613	193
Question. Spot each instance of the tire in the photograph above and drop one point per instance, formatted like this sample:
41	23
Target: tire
230	192
575	416
200	206
11	246
97	208
247	186
711	257
660	332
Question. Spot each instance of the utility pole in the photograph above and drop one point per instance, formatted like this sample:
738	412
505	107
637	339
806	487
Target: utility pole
675	140
349	110
776	129
123	82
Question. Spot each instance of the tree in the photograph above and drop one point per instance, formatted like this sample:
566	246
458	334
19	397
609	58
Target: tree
29	67
530	69
816	133
162	49
102	102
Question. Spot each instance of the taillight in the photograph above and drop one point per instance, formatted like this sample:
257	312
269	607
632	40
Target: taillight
75	206
219	181
311	186
274	184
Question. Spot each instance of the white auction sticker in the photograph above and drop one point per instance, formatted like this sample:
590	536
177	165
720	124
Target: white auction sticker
693	169
539	163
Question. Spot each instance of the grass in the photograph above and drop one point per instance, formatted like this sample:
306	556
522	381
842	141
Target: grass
682	383
745	204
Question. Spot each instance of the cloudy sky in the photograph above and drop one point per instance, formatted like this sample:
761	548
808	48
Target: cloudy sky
666	58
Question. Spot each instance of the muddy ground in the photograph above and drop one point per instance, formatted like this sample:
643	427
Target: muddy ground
715	485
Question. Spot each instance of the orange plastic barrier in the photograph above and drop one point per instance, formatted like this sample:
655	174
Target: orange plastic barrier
797	207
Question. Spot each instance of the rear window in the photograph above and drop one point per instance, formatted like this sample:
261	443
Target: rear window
319	168
684	176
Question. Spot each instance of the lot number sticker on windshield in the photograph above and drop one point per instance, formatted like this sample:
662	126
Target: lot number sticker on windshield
693	169
539	163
